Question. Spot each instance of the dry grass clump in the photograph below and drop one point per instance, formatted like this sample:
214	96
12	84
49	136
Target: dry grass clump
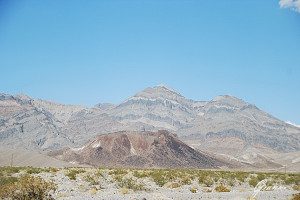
93	191
27	187
53	169
173	185
296	196
296	187
193	190
222	188
124	191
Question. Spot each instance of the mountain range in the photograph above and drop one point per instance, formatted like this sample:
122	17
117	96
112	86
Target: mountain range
225	127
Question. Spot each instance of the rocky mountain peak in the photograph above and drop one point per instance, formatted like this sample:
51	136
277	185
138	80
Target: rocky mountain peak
229	100
159	92
104	106
23	97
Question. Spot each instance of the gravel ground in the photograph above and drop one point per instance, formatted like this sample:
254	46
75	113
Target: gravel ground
107	189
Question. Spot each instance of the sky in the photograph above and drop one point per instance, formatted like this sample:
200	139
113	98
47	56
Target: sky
87	52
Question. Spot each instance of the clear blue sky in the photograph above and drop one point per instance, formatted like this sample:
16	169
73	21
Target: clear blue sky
86	52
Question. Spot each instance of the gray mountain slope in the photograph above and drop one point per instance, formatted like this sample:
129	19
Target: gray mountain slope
228	116
26	125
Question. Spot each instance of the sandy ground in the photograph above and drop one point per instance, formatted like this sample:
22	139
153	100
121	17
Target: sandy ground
21	157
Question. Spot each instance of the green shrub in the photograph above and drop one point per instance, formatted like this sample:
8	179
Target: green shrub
186	180
91	180
10	170
118	171
32	170
131	184
231	182
4	180
141	173
73	173
261	176
253	181
292	179
270	183
241	176
206	180
159	177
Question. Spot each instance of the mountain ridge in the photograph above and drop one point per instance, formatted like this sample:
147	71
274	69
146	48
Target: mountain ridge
223	124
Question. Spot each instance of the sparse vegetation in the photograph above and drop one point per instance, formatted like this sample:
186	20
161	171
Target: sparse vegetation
131	180
11	170
130	184
72	173
253	181
160	177
118	171
32	170
91	179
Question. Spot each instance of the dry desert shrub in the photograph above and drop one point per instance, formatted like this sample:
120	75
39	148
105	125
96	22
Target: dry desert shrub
296	196
72	173
222	188
28	188
193	190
